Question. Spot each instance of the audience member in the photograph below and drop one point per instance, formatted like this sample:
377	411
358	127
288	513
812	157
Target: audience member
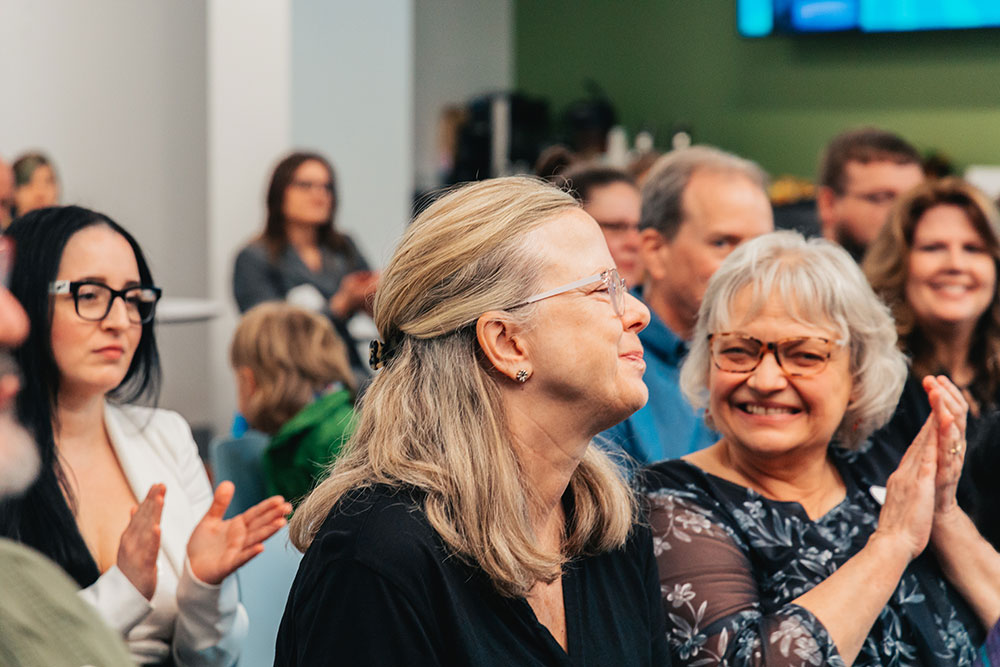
6	194
156	565
300	256
611	198
42	619
471	521
294	383
935	264
553	161
791	541
698	204
35	183
861	173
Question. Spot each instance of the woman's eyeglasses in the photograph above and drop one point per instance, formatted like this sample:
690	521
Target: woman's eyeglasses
800	356
93	300
609	279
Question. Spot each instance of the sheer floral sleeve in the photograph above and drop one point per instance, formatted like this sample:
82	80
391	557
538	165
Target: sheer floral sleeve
715	615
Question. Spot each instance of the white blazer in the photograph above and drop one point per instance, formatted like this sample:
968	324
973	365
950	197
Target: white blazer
193	622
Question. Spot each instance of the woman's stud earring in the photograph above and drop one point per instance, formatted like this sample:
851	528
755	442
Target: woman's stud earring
522	376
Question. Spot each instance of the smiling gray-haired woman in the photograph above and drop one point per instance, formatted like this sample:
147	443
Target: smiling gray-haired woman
791	541
471	521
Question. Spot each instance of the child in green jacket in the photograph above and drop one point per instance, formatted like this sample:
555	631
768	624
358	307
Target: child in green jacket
295	384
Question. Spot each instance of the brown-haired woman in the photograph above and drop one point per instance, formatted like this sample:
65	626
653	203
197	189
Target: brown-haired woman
295	384
471	520
935	265
300	256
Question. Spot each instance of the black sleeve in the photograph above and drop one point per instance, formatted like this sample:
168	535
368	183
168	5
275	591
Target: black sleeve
658	648
253	280
351	615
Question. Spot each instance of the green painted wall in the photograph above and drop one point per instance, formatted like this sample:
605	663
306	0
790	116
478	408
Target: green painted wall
776	99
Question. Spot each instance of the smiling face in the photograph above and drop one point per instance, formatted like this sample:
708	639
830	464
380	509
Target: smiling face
309	195
584	356
766	412
951	274
93	357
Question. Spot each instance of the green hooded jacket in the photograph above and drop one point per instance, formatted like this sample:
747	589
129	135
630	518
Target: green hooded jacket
298	455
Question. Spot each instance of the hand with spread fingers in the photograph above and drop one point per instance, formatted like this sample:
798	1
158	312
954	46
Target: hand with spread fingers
218	547
140	542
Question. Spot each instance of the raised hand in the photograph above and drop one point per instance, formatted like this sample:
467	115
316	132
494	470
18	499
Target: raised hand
908	512
139	545
949	408
218	547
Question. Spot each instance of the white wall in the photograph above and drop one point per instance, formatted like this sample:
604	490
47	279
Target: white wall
249	123
169	116
352	99
114	91
463	48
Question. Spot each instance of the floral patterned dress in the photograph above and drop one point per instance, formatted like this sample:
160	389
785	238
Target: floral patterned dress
732	562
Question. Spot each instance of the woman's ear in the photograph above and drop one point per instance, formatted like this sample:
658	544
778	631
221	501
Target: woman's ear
503	344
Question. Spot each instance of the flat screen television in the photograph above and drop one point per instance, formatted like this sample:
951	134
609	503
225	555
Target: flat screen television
757	18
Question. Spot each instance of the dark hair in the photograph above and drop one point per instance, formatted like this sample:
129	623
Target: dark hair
43	517
25	165
581	180
864	145
886	266
275	236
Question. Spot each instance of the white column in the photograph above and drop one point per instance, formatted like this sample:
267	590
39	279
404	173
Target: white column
249	125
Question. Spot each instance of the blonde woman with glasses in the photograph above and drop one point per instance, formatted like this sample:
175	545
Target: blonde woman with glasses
471	521
794	540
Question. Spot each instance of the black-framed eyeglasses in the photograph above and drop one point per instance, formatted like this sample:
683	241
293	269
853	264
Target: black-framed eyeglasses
93	299
609	279
798	356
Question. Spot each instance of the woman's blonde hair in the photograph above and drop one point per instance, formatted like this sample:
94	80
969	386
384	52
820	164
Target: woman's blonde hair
433	417
293	354
886	266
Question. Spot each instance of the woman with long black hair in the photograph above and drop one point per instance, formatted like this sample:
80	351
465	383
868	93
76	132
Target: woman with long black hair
122	503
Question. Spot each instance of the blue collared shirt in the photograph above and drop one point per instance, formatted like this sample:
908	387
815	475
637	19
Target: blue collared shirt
667	427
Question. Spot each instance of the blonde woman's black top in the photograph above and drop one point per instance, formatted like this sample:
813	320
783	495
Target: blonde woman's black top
378	587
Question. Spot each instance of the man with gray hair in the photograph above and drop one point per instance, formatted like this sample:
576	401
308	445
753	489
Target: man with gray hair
698	204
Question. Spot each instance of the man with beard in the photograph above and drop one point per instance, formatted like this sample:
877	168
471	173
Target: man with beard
861	174
42	619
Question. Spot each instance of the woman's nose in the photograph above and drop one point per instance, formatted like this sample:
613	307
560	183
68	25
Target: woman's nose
636	315
769	376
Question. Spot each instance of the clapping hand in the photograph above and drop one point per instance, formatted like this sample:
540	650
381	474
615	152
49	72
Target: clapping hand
908	512
139	545
948	409
218	547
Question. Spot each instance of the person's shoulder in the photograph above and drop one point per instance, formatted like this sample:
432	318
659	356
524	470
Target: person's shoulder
140	418
380	526
666	475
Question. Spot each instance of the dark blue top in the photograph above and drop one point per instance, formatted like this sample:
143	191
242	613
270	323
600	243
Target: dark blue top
732	562
667	427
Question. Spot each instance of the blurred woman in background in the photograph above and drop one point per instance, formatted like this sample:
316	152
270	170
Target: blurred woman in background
935	265
300	256
35	183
